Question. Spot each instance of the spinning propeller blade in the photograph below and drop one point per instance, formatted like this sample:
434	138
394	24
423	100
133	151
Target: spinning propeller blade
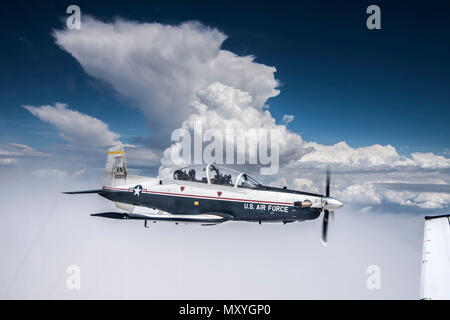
325	226
327	190
326	211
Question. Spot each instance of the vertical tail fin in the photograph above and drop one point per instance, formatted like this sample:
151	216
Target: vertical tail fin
116	169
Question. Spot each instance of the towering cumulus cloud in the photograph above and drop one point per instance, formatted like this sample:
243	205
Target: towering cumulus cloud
227	109
177	75
161	67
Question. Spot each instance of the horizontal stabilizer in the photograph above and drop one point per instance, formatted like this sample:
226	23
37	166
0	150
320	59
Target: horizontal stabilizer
199	218
85	191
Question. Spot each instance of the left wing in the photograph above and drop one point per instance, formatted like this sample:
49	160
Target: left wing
85	191
213	218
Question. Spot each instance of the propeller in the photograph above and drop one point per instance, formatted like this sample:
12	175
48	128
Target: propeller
327	212
325	226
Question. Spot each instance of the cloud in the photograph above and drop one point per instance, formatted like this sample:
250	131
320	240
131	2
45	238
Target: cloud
53	173
430	160
74	126
21	146
12	152
20	150
222	107
36	263
420	187
370	194
161	67
288	118
414	187
143	157
370	156
7	161
341	153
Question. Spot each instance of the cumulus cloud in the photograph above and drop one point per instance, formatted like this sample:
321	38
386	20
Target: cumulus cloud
222	107
429	160
370	193
379	175
161	67
75	126
344	154
414	186
375	155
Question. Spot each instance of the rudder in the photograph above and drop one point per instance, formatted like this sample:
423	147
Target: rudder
116	169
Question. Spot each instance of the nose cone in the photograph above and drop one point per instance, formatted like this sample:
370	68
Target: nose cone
331	204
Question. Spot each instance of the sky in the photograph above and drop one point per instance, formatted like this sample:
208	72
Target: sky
371	105
390	86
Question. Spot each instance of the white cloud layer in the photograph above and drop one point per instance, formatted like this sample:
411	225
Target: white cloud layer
36	264
75	126
45	173
7	161
20	150
12	152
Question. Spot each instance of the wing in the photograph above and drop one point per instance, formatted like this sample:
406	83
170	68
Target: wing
435	277
205	219
85	191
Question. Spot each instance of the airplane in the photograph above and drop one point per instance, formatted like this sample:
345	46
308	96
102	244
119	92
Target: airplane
207	195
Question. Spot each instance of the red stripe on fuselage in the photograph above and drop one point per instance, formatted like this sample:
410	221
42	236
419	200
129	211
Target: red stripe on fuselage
199	196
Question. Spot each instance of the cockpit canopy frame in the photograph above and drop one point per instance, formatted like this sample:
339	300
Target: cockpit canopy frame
215	175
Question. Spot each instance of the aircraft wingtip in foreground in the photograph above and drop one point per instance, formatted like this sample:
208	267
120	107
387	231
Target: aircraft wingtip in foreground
435	273
207	195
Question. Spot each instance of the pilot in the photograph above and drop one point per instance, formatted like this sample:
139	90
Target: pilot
176	174
227	179
244	183
180	175
191	174
218	178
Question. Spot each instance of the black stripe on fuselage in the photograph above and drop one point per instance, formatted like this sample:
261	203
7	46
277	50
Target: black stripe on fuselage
240	210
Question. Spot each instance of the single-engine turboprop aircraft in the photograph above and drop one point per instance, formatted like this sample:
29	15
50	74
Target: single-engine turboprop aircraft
207	195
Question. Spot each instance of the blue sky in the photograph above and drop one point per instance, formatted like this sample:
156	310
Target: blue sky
340	80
